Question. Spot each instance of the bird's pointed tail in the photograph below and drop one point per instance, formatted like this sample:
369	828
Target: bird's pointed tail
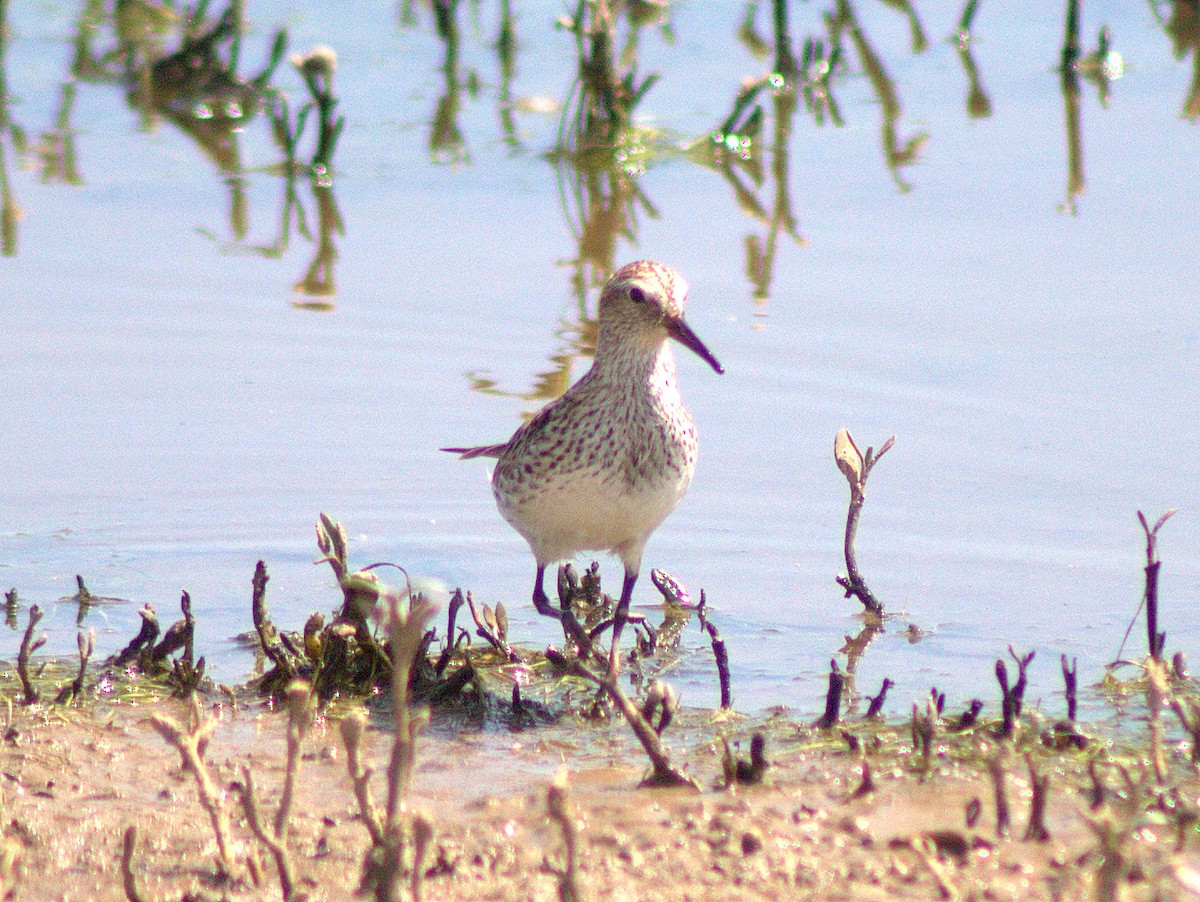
480	451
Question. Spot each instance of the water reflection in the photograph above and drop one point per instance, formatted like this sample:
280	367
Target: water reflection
1101	67
898	152
197	89
979	105
735	151
10	133
1183	27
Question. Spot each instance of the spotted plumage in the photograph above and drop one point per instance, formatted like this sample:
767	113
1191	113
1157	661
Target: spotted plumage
602	466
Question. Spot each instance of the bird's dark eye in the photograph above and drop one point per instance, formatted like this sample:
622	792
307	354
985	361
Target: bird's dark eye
637	295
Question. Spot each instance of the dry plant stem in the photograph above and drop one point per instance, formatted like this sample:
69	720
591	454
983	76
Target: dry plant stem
720	654
1037	807
1112	861
926	851
1070	680
856	468
29	695
1010	699
405	632
1155	639
664	773
1188	713
833	698
559	808
1096	797
274	843
1156	694
188	744
1003	820
129	882
876	703
352	729
87	645
422	837
867	786
300	713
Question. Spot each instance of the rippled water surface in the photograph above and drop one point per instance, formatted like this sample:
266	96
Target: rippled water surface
1004	277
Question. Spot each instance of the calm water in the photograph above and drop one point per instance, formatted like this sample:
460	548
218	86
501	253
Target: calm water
169	414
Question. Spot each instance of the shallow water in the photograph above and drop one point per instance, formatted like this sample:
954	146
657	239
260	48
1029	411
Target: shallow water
170	414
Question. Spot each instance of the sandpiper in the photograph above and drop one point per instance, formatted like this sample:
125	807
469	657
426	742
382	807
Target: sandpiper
602	466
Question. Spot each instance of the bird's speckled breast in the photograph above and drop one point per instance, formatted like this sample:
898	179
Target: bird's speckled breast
600	468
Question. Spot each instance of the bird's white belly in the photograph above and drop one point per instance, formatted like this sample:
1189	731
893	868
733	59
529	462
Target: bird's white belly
590	514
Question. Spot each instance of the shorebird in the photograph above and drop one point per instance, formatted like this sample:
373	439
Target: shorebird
602	466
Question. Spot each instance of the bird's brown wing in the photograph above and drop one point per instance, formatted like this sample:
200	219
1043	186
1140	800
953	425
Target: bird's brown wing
480	451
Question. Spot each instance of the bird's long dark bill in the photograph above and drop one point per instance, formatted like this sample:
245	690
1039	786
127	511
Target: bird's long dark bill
682	333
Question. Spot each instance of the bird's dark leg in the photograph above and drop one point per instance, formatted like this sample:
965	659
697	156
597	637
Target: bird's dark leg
572	629
619	619
541	601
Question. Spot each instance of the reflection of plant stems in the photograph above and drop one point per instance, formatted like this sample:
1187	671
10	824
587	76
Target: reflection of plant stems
317	68
979	105
917	34
506	52
1184	29
1069	79
785	62
896	154
854	648
968	17
446	143
8	205
318	280
748	36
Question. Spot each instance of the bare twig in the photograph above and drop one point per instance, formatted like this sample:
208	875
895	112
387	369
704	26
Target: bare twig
353	726
143	640
1069	678
28	646
1018	690
867	785
746	772
1156	695
663	773
385	861
1188	712
924	728
720	654
87	644
1003	819
128	880
190	744
422	837
1037	807
300	716
925	848
271	839
875	707
1155	640
833	697
558	805
856	467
